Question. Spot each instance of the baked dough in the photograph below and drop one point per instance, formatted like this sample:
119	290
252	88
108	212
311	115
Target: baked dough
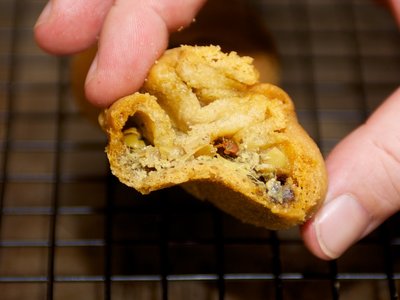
202	120
214	24
240	28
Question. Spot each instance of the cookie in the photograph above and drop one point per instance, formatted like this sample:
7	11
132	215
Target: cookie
203	121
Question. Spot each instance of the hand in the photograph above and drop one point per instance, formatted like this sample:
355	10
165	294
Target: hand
364	169
394	6
364	184
131	36
364	180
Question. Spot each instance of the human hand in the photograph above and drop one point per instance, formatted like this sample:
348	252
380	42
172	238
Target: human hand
131	35
364	180
364	169
364	184
394	6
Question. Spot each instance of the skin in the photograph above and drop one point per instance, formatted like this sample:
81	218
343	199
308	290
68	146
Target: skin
131	35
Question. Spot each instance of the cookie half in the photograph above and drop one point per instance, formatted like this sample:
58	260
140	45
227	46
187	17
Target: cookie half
202	120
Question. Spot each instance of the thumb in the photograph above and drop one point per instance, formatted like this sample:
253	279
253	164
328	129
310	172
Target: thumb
364	184
395	5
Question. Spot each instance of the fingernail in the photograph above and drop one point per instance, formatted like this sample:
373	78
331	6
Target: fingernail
339	224
45	15
92	70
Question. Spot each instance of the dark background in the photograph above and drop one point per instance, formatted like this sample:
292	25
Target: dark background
69	230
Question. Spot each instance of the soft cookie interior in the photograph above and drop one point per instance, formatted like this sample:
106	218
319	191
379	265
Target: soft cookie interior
203	120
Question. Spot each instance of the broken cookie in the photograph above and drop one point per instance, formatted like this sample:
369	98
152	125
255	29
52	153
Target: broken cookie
202	120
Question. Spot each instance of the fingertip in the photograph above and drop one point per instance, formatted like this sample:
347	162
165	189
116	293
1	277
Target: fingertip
132	39
177	14
395	7
97	97
42	29
47	37
339	224
102	92
45	15
52	38
94	86
134	35
66	26
105	85
310	240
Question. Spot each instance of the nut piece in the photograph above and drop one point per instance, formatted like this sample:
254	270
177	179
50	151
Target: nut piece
207	150
226	147
133	138
275	159
278	192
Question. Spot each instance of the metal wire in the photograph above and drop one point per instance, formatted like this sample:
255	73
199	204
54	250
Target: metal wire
9	97
69	229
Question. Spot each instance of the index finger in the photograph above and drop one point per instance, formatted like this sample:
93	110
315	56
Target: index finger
134	35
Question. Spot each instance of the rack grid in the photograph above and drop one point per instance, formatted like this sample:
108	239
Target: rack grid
69	229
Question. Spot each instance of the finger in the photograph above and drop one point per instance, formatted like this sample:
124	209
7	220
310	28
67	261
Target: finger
176	14
364	184
69	26
134	35
395	5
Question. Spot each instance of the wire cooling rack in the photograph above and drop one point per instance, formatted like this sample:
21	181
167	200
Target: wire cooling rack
69	230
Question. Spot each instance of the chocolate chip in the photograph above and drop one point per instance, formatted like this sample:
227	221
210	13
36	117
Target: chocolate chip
226	147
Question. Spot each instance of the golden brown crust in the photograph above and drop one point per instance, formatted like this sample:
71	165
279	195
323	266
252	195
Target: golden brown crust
193	97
